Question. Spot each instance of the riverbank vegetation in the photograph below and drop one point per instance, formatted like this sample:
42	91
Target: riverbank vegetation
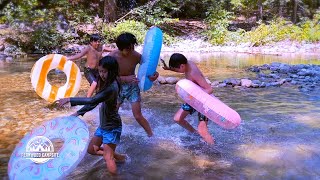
47	25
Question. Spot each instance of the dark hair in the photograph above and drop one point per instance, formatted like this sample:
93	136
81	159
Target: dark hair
109	63
125	40
177	59
95	37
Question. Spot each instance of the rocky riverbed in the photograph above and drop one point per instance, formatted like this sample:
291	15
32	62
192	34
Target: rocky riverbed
305	76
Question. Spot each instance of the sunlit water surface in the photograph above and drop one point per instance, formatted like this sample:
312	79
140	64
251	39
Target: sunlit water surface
277	139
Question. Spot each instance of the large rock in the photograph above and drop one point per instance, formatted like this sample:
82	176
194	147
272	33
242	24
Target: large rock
246	83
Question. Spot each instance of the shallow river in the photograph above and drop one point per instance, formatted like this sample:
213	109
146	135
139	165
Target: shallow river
278	137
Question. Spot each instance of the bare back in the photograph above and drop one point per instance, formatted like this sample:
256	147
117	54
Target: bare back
127	64
194	74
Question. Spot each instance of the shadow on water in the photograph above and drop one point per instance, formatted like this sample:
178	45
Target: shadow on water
277	139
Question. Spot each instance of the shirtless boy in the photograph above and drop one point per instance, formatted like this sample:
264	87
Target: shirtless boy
93	52
128	59
179	63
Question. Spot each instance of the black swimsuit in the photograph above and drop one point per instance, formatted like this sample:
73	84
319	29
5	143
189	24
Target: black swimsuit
109	116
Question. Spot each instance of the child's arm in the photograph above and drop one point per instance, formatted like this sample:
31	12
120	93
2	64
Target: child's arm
201	81
92	89
90	103
129	79
165	67
79	55
107	49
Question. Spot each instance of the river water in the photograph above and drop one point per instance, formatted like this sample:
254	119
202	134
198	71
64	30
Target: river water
278	137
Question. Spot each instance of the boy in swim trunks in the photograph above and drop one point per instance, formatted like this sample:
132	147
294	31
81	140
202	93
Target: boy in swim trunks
128	59
93	52
179	63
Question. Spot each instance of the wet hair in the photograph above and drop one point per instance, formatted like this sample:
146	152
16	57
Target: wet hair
111	65
125	41
95	37
177	59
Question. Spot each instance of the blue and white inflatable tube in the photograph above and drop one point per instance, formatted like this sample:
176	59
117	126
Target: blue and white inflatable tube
150	57
35	158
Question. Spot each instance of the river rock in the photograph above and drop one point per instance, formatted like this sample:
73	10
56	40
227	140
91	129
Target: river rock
246	83
161	80
172	80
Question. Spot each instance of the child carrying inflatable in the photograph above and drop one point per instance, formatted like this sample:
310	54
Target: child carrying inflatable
179	63
109	130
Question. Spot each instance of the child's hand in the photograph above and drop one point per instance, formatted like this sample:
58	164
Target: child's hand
62	102
165	67
154	76
131	79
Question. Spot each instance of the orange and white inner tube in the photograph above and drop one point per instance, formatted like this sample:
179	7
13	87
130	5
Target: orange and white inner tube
40	81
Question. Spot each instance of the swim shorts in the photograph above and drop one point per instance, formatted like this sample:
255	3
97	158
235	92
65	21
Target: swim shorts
191	110
109	136
91	74
129	91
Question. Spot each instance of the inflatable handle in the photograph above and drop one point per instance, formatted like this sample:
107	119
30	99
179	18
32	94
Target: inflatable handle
150	57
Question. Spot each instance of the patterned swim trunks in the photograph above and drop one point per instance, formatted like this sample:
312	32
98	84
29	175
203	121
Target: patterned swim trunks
129	91
191	110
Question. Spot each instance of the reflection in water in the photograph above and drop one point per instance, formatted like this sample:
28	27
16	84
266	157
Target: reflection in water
277	139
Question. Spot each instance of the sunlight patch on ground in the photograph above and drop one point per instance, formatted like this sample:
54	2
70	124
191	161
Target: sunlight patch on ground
311	120
275	154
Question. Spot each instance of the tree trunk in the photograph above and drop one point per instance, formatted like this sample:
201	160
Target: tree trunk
295	9
281	7
109	10
260	15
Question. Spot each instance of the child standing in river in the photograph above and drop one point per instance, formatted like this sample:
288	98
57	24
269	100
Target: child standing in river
93	53
179	63
109	131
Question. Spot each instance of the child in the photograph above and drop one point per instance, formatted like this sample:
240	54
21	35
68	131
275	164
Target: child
179	63
109	130
128	59
93	52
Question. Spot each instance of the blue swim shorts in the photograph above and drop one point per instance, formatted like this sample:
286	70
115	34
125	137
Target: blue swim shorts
191	110
129	91
109	136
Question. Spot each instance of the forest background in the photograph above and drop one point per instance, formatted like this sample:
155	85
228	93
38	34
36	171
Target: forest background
43	26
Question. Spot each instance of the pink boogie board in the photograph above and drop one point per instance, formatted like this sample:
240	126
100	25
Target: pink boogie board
208	105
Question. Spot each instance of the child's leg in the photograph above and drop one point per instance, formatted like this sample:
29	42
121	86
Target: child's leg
117	156
136	110
108	155
179	118
92	88
94	146
203	129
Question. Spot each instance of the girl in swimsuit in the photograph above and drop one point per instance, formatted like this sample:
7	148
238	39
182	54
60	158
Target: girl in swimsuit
109	131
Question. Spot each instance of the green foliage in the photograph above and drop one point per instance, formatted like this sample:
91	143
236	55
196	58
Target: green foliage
136	28
279	30
218	21
167	39
47	39
153	13
235	37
